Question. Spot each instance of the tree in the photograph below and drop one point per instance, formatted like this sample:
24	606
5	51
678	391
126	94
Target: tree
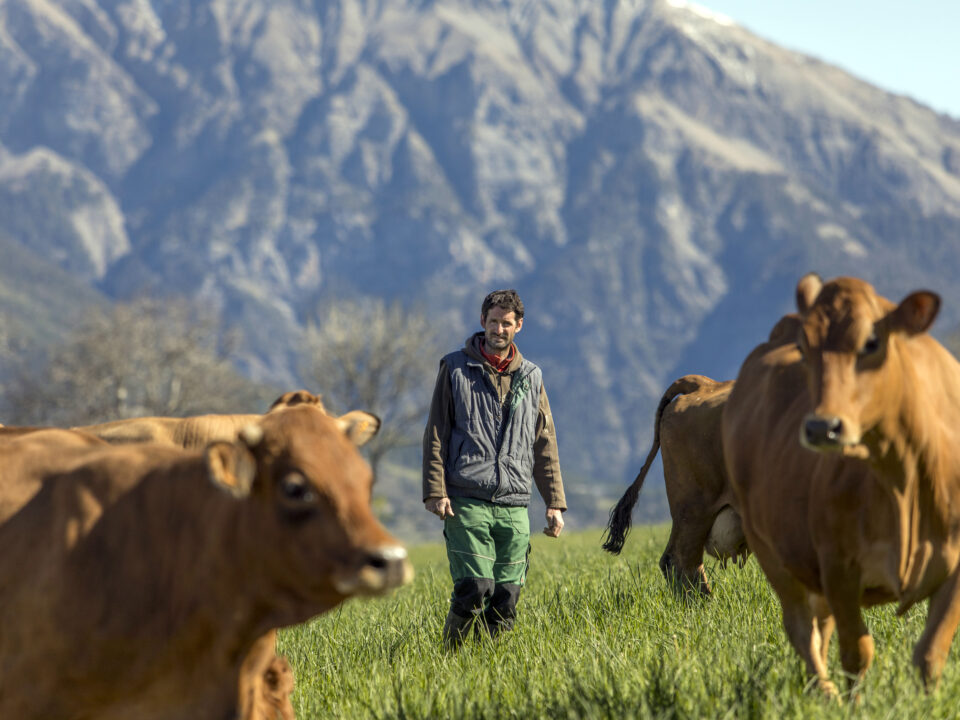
364	354
148	357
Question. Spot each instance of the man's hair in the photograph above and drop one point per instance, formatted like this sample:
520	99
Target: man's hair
507	299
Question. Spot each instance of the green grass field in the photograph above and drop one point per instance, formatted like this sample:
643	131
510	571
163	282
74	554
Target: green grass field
597	636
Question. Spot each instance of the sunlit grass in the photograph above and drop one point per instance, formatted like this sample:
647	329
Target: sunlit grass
597	636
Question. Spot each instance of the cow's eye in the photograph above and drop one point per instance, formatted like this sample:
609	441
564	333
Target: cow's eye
871	345
294	487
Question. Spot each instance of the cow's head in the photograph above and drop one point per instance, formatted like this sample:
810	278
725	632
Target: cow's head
305	492
851	339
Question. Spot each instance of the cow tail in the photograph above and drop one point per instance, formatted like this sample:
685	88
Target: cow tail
621	515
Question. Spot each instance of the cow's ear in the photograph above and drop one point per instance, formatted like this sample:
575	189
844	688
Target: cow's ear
359	426
916	312
231	467
807	290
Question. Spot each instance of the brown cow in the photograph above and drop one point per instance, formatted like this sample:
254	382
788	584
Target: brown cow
196	432
145	574
266	680
844	455
686	430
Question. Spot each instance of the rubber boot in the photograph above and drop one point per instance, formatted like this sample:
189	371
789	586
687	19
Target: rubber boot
502	613
455	629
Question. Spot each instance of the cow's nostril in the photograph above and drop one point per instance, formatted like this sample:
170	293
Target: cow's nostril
816	430
834	428
384	558
819	430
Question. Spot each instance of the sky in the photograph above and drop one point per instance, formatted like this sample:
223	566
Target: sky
908	47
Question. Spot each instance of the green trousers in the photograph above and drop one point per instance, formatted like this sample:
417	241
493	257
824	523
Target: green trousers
488	548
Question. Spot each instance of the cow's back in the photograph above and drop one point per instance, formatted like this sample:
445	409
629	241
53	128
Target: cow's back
198	431
691	443
135	430
28	454
192	432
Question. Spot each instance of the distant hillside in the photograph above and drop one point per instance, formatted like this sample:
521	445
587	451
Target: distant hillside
39	301
652	180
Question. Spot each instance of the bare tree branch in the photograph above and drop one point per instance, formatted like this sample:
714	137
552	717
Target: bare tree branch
371	356
149	357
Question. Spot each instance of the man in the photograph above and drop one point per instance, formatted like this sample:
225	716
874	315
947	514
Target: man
489	434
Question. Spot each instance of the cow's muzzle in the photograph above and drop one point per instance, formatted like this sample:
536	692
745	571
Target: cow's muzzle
822	433
825	433
382	569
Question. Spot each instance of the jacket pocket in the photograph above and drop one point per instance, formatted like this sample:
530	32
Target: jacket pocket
473	471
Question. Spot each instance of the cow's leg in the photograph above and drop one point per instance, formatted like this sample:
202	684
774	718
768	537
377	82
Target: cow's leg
266	683
943	616
841	585
826	625
682	559
803	617
804	631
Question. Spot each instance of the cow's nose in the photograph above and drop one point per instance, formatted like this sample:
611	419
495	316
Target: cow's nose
819	431
396	565
388	559
380	570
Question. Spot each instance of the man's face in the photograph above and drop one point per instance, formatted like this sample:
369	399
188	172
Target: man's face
499	327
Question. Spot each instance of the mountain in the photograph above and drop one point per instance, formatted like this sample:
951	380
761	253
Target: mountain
651	178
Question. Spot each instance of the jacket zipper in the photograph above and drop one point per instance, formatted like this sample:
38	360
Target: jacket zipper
501	432
505	415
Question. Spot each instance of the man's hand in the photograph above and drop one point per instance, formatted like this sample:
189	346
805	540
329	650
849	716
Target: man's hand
554	522
441	507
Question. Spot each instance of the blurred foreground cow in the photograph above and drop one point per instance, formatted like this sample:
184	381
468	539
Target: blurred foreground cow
196	432
28	454
844	454
686	430
138	580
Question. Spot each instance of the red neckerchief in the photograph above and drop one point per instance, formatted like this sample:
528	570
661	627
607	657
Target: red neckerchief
498	364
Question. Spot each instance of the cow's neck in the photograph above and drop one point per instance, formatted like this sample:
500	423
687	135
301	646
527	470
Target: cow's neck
922	408
914	452
168	570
